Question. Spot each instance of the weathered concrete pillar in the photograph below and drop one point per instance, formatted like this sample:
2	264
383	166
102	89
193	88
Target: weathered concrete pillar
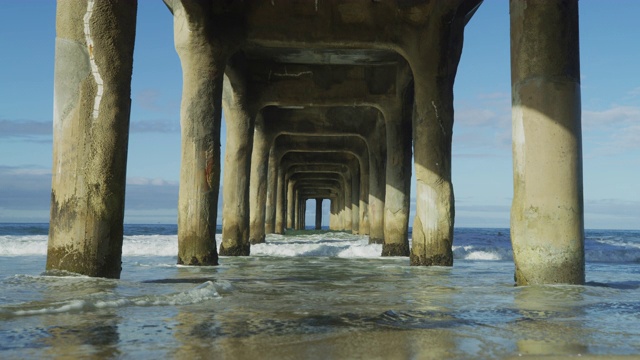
332	214
347	206
547	225
398	182
290	205
343	210
303	213
434	68
301	209
240	119
364	200
280	198
258	186
338	219
204	58
272	185
376	141
318	213
92	88
433	125
355	201
296	209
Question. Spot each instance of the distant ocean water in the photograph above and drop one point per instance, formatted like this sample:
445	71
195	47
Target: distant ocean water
315	295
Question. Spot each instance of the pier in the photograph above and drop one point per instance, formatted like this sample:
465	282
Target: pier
338	101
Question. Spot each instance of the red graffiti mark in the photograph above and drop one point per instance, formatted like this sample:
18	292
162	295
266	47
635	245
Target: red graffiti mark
208	173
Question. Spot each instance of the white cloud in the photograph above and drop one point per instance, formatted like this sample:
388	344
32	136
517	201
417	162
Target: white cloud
27	191
491	109
612	131
612	214
634	93
614	116
24	188
26	171
502	96
152	100
628	138
24	128
482	126
149	181
42	130
476	117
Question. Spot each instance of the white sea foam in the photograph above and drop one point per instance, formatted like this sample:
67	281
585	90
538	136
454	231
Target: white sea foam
25	245
150	245
470	252
334	244
618	242
605	249
483	255
203	292
338	249
64	307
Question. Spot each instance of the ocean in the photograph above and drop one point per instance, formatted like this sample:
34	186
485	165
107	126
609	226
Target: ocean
315	295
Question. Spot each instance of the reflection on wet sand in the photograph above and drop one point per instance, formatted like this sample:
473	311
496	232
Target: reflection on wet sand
71	336
549	322
222	337
285	321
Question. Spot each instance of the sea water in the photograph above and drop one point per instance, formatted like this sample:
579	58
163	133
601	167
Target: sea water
315	295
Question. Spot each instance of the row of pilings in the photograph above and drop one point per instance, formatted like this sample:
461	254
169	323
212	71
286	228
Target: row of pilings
326	102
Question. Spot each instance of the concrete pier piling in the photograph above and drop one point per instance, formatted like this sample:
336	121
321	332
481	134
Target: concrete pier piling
240	118
547	225
92	87
203	57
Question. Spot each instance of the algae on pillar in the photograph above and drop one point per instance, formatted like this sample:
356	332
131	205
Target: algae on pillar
547	225
92	88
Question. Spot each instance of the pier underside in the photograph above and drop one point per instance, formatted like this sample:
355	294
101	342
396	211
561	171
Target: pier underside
338	101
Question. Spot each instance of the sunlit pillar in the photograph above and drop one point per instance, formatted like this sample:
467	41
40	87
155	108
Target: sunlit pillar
272	185
204	58
398	183
240	120
376	142
280	198
434	58
547	221
92	89
355	200
258	186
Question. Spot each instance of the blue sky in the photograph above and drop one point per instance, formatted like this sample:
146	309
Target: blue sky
482	164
